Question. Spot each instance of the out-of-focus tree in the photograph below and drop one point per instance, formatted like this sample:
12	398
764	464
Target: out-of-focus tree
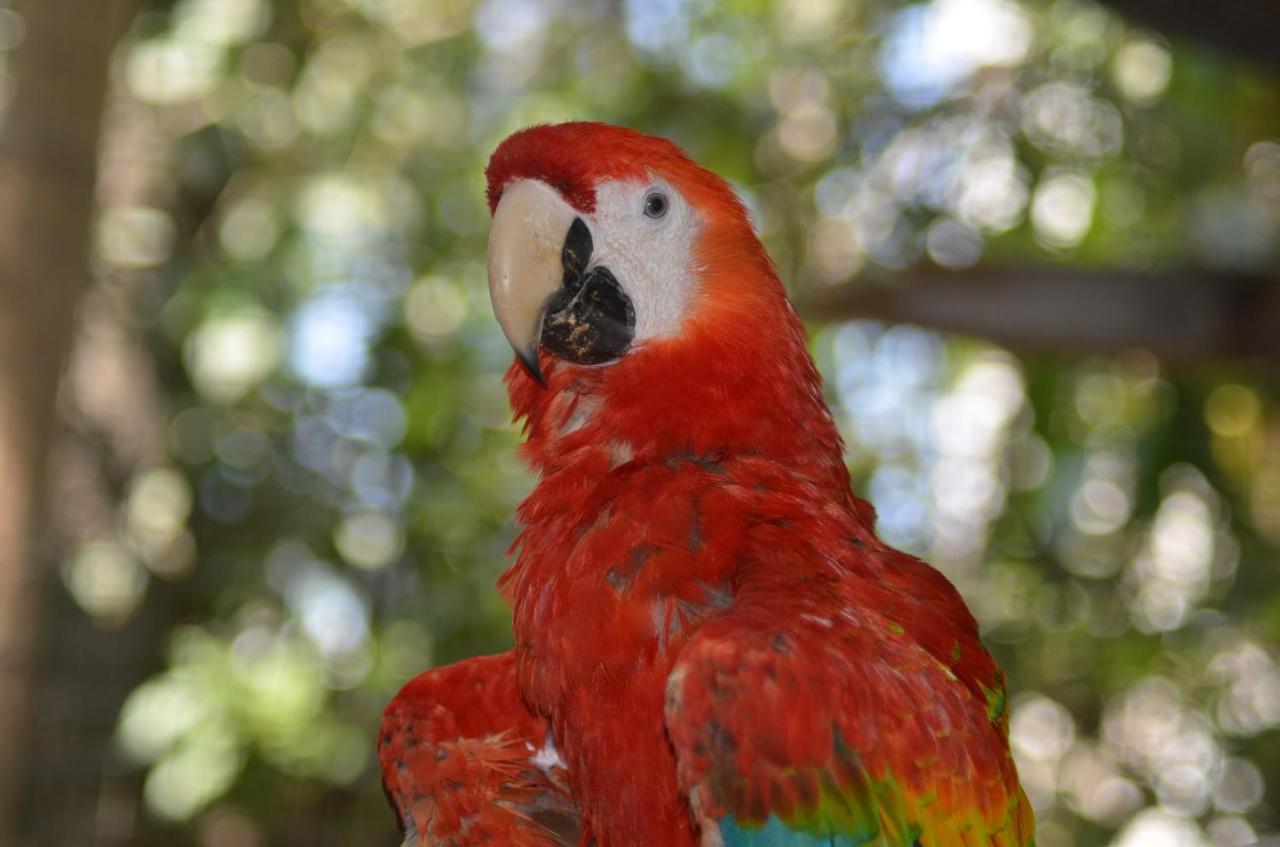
53	88
322	497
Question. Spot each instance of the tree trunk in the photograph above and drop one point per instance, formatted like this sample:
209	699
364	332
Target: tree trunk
48	148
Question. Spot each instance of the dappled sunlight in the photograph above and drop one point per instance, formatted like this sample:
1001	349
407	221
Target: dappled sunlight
106	580
930	48
1062	209
328	498
229	354
1141	69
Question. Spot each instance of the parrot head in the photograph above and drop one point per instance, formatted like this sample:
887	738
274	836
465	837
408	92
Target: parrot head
641	306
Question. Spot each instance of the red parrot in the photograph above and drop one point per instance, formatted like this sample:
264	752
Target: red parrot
712	645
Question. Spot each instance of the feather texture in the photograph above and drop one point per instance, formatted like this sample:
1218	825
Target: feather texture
459	756
706	623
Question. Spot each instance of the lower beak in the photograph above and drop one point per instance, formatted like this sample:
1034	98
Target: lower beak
526	243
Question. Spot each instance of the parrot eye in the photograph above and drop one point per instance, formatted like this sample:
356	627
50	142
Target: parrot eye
655	204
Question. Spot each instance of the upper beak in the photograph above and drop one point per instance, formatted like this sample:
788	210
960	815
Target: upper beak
526	242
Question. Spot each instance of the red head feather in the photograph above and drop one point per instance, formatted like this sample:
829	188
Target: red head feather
737	377
574	157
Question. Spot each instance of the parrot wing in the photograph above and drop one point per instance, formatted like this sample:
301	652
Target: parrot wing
464	761
806	719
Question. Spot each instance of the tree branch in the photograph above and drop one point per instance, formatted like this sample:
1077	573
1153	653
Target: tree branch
1176	316
1242	28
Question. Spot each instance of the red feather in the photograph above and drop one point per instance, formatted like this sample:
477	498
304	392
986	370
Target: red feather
467	725
701	519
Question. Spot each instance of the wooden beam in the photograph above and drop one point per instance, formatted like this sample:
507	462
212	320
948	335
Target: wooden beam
1178	316
1246	29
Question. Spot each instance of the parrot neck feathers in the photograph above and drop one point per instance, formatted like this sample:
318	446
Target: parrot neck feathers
703	394
720	367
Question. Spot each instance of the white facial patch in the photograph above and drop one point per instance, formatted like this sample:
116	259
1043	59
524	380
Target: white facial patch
651	257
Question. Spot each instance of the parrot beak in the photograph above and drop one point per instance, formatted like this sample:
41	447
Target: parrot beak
526	244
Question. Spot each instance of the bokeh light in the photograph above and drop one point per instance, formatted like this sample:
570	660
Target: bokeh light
312	494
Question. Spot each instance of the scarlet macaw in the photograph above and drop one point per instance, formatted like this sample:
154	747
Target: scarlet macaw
712	645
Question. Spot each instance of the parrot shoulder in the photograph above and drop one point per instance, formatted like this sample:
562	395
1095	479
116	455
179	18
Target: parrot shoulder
845	707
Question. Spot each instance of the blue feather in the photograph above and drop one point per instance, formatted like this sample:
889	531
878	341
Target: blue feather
776	833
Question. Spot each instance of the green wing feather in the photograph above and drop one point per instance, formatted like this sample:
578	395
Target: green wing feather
802	729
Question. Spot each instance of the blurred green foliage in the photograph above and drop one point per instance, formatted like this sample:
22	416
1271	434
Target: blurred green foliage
342	471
